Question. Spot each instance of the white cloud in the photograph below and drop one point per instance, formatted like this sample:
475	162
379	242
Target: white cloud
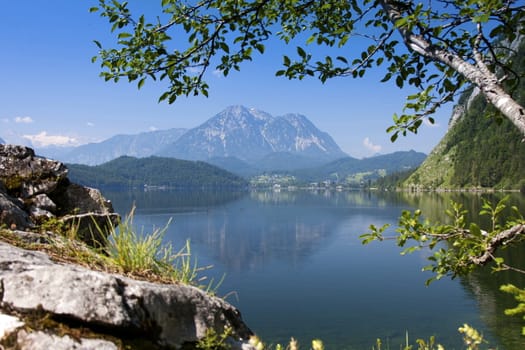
153	128
369	145
43	139
218	73
90	124
23	120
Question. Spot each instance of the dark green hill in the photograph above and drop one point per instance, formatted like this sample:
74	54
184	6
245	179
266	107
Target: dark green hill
156	172
480	149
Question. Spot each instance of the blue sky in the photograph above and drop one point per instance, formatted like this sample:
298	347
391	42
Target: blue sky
52	93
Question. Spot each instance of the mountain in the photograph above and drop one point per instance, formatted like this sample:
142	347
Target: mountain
140	145
2	142
354	171
53	152
234	165
125	172
480	149
251	135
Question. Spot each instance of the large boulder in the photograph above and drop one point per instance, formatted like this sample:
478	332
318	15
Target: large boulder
26	175
167	315
34	189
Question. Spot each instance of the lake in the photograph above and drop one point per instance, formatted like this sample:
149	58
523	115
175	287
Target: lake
295	266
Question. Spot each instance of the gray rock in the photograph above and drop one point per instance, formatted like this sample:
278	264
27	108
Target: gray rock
27	175
41	207
34	189
168	314
9	324
77	199
11	214
44	341
43	202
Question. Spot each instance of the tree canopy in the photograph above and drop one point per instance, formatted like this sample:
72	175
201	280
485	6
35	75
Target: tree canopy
434	46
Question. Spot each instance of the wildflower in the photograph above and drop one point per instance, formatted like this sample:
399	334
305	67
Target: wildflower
317	344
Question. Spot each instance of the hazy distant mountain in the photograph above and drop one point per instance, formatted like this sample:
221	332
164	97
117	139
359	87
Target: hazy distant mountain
251	135
287	161
355	170
52	152
140	145
235	165
2	141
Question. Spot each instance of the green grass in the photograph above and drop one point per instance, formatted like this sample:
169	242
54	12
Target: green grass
149	256
137	255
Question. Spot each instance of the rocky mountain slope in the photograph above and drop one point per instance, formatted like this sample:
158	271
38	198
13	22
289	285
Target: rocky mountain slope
250	135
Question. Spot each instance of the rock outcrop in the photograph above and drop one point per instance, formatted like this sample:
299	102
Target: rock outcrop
34	189
168	316
45	304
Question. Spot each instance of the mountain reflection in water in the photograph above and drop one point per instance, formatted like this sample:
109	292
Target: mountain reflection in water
298	268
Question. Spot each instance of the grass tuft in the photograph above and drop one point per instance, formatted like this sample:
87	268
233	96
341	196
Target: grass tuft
136	255
149	256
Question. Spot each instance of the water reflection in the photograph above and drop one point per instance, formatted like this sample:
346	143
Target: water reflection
297	264
483	284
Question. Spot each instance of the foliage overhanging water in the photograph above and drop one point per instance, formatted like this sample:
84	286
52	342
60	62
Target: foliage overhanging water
295	266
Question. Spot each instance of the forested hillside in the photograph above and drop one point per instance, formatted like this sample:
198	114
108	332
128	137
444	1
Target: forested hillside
481	148
351	170
154	171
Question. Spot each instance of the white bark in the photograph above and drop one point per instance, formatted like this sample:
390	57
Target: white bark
500	239
485	80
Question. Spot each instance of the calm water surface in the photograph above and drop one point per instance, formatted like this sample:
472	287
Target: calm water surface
295	266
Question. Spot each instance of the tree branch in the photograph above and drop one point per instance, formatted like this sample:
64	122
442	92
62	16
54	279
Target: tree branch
500	239
486	80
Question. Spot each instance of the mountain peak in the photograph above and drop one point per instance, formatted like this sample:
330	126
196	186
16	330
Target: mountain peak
235	110
242	112
251	134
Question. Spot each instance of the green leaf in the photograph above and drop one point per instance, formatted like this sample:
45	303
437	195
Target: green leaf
301	52
342	59
164	96
475	230
399	81
386	77
311	39
141	83
401	22
260	48
448	85
394	137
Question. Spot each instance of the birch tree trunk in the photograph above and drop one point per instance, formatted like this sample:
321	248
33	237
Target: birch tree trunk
478	73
